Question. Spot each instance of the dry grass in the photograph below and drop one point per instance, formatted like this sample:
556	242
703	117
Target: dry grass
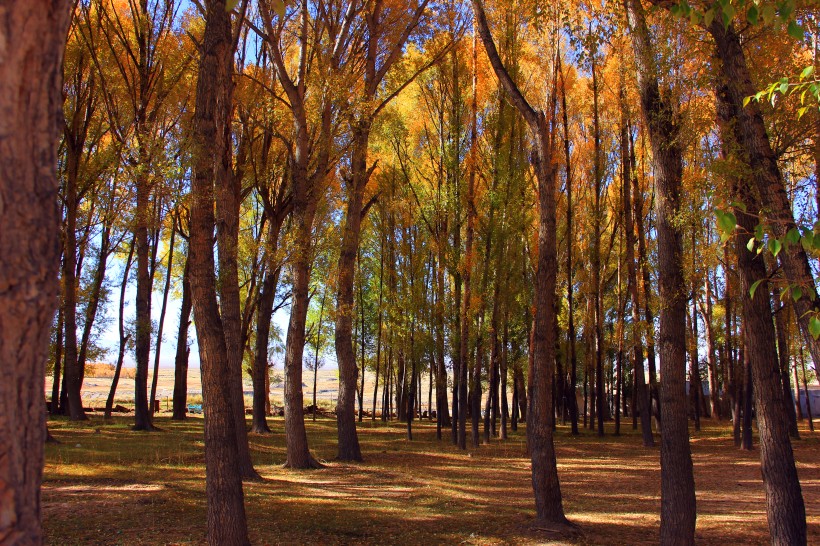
107	485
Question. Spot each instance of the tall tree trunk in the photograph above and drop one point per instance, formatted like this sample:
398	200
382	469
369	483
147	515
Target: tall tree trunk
180	405
596	254
677	482
73	373
349	449
33	34
228	203
109	403
226	521
573	363
784	501
750	134
161	324
781	324
712	365
264	313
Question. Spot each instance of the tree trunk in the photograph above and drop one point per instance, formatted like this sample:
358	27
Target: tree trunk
349	449
264	313
226	521
161	324
180	405
750	134
781	321
33	34
228	203
109	403
677	482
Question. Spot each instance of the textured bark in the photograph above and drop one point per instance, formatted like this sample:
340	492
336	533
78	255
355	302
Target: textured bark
785	509
32	38
180	404
161	324
548	503
750	135
228	202
264	313
226	521
349	449
678	511
573	361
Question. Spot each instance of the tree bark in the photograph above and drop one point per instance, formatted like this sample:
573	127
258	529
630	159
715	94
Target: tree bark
226	521
785	509
678	511
33	36
546	487
161	324
180	404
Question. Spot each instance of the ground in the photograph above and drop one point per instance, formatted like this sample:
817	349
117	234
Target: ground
104	484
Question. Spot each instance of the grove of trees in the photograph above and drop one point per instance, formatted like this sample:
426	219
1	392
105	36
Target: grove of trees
503	213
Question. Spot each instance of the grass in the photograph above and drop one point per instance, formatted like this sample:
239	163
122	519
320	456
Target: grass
104	484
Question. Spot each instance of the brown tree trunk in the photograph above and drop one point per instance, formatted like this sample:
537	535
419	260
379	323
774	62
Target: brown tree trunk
180	404
33	34
573	361
678	512
161	324
756	151
349	449
546	487
782	319
226	521
109	403
712	365
784	501
641	397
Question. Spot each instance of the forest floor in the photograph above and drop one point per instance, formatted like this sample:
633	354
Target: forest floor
104	484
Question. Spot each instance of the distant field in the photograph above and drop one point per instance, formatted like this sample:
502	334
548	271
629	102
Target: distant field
97	386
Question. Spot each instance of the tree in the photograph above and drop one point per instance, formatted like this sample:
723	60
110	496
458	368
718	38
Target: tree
678	511
549	507
29	246
211	137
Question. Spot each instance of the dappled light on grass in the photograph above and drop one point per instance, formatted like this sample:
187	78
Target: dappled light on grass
124	487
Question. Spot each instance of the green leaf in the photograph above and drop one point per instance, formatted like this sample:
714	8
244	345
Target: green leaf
801	111
814	327
751	14
775	246
796	31
808	71
728	11
746	100
759	232
753	288
751	244
708	17
797	293
739	205
807	240
768	13
726	221
793	236
784	85
230	4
